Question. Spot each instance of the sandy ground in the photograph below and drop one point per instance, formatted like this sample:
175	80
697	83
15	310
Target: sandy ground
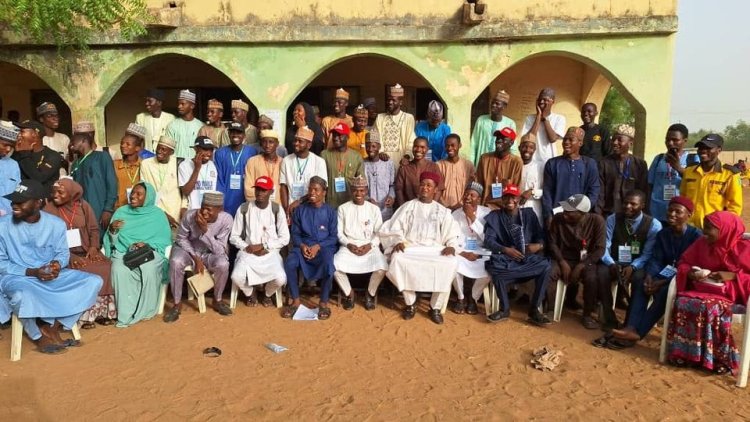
359	364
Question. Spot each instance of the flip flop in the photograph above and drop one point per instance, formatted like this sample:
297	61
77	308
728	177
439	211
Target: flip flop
601	342
289	311
324	313
618	344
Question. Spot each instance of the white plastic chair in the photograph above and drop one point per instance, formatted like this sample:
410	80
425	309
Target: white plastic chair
17	337
491	301
560	298
236	290
736	319
163	294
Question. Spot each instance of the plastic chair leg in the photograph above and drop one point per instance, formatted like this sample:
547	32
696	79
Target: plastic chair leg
562	288
16	338
671	294
162	298
233	296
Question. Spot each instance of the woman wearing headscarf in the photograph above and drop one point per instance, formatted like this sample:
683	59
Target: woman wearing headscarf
305	116
135	225
712	276
83	240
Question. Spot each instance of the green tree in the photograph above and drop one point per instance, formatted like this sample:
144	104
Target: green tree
70	23
737	137
616	110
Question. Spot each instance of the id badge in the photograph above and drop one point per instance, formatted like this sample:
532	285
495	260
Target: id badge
670	191
127	194
74	238
298	190
235	181
497	190
339	184
668	271
635	247
624	254
471	244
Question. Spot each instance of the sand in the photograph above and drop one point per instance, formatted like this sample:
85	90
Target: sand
358	365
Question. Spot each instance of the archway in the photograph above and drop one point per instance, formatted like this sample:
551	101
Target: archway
171	73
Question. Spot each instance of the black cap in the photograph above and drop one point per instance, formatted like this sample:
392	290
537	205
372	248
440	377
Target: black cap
155	93
236	126
711	140
32	124
27	190
204	142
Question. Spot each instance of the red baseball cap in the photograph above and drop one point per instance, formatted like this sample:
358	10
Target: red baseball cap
511	189
341	128
506	132
263	182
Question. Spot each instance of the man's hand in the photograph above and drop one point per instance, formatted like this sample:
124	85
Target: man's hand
253	249
627	273
104	220
197	162
575	275
399	247
539	112
565	271
513	253
650	287
448	251
389	201
199	267
614	271
201	222
383	156
116	226
313	251
673	160
471	213
94	255
533	248
77	262
469	256
353	248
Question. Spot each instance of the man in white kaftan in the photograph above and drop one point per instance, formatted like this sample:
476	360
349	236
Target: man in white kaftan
421	238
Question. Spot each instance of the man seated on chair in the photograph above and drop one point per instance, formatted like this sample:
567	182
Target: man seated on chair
35	284
470	219
670	243
359	221
515	238
631	235
201	242
576	244
421	239
259	233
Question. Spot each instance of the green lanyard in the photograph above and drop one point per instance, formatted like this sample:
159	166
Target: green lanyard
79	162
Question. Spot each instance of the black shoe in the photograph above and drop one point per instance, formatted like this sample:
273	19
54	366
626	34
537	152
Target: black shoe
408	312
538	318
369	302
172	315
222	308
348	302
471	307
589	323
436	316
498	316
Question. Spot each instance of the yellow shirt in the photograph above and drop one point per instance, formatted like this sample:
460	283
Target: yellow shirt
357	142
127	176
717	190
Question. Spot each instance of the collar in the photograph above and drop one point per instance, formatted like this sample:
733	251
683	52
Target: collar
635	222
122	165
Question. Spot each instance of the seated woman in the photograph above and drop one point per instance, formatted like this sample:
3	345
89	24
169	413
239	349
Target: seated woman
135	225
83	241
700	332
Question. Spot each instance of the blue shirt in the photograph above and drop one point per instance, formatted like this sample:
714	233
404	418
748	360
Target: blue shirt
648	248
10	175
435	138
564	177
668	248
229	163
661	174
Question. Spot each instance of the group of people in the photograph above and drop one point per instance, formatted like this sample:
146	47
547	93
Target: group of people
376	194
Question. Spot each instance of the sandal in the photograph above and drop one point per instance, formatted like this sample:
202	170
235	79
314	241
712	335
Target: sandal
267	301
619	344
324	313
601	342
172	315
71	342
251	301
289	311
721	370
459	307
471	308
88	325
105	321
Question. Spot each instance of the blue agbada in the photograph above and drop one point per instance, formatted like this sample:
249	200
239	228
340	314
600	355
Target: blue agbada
230	166
10	175
311	226
33	245
435	138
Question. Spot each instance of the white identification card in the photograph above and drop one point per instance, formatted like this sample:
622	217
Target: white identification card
298	190
624	254
497	190
670	191
668	271
471	244
557	210
74	238
127	194
339	184
235	181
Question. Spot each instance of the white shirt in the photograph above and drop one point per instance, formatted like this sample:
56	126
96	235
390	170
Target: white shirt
359	224
476	228
531	178
544	148
206	181
296	173
261	228
155	127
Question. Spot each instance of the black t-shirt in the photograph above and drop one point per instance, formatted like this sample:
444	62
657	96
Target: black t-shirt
42	166
596	142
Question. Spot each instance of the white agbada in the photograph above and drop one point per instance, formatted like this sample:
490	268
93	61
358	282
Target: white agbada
296	173
359	225
426	229
532	178
544	148
261	227
471	269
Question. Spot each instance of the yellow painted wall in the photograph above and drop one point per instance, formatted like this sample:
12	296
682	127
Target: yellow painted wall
15	89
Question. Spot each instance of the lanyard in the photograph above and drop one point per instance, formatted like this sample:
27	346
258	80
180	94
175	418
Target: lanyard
162	173
79	162
237	161
72	215
301	169
340	163
132	177
625	172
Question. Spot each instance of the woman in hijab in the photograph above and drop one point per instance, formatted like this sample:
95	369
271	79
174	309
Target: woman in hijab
83	240
305	116
135	225
712	276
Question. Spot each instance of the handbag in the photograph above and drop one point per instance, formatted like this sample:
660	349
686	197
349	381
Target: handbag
710	287
137	256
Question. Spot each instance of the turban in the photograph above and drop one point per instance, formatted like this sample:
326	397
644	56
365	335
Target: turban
342	94
396	91
373	136
214	103
435	177
684	201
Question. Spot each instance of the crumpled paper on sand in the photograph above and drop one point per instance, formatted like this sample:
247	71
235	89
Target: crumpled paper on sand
545	358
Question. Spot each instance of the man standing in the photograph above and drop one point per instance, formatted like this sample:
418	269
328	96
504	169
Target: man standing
267	164
36	161
154	119
435	130
457	172
230	163
359	222
372	111
95	172
201	242
265	123
596	142
569	174
620	172
50	119
498	169
214	128
342	164
421	239
298	168
239	115
259	233
710	185
546	125
408	178
483	137
10	173
515	238
340	102
128	169
359	133
380	178
35	282
532	176
396	127
185	129
470	220
665	173
161	172
198	175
